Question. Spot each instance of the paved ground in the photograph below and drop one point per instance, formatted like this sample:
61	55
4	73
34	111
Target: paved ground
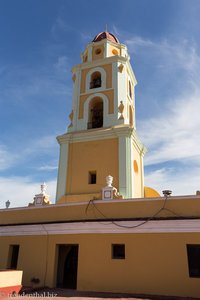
78	295
63	294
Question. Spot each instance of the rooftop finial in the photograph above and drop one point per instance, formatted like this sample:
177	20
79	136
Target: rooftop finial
42	198
7	204
43	188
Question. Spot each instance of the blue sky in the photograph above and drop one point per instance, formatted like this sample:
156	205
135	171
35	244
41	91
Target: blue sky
42	40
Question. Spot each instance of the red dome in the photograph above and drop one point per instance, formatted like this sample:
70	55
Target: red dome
105	35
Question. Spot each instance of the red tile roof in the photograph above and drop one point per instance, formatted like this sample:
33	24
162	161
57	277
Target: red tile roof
106	35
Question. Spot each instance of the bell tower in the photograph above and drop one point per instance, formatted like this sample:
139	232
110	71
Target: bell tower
101	139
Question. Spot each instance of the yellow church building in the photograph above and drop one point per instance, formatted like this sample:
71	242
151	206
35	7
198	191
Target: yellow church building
106	231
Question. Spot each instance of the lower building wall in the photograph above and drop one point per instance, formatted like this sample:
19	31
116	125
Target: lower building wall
31	258
154	263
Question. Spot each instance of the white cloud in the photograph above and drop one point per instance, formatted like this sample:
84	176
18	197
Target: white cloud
7	158
169	56
173	132
175	135
86	37
60	24
21	82
47	168
61	64
138	42
21	190
186	182
44	145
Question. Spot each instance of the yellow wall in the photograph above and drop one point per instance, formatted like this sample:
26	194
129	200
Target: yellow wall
135	208
83	79
113	50
95	52
80	197
108	69
32	256
154	264
100	156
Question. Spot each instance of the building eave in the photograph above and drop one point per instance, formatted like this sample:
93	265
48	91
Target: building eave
141	208
115	227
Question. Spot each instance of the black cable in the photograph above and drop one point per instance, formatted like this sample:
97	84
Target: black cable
138	225
135	226
86	210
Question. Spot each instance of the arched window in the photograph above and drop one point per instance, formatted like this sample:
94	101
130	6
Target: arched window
95	80
95	117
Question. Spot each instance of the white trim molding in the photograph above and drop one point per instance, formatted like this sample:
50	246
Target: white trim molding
88	79
62	171
115	227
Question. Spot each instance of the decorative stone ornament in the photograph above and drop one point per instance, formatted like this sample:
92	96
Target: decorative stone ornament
121	110
71	117
43	188
42	198
120	68
7	203
109	192
109	180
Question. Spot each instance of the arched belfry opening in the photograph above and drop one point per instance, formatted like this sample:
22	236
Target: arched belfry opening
95	81
95	117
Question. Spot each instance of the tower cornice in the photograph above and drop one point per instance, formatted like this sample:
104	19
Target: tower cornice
101	134
102	62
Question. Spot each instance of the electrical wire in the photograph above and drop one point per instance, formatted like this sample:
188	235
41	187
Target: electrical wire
96	217
130	227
